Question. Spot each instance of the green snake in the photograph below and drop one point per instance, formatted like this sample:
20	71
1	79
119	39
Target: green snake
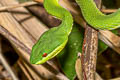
54	40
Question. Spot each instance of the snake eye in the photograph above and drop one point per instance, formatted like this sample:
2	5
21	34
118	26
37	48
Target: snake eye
44	55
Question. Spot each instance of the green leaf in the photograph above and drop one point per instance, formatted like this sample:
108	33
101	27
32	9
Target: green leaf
68	56
101	47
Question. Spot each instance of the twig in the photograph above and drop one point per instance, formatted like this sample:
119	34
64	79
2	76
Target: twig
41	13
40	1
89	50
110	39
89	53
6	65
108	10
78	67
97	76
25	70
29	3
16	6
12	38
58	74
33	72
118	78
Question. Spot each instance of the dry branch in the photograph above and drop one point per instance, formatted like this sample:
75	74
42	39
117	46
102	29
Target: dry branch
41	13
108	10
110	39
13	39
89	51
5	63
5	8
118	78
78	68
25	70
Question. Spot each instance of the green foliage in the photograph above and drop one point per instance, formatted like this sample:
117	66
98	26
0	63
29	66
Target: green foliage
101	47
68	56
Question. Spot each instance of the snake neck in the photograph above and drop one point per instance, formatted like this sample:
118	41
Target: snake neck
66	25
56	10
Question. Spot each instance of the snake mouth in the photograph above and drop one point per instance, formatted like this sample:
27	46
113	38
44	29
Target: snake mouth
41	61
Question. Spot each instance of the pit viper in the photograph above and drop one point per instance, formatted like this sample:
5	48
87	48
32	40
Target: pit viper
54	40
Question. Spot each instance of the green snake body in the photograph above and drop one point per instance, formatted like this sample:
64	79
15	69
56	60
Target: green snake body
96	18
55	39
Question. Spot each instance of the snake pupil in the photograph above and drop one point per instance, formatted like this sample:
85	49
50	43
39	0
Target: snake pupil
44	55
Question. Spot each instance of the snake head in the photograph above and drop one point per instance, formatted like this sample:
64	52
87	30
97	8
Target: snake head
48	46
